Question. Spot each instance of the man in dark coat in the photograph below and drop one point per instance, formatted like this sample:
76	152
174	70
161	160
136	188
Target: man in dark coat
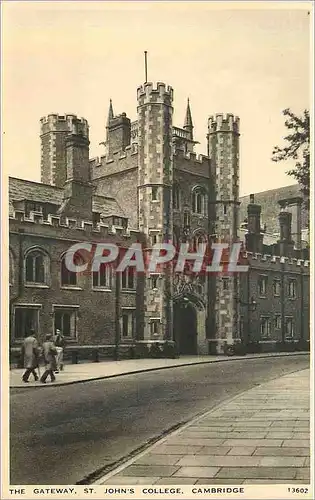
30	353
49	354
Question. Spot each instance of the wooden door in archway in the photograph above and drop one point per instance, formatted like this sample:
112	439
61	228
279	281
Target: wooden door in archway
185	329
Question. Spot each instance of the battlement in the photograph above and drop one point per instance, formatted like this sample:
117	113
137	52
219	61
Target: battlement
160	93
275	259
223	123
191	157
64	123
116	157
71	223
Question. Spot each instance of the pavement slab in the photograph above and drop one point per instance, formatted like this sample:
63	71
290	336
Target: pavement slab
156	459
257	472
213	480
229	446
170	449
219	461
129	480
150	470
296	443
303	473
198	472
241	451
178	480
284	452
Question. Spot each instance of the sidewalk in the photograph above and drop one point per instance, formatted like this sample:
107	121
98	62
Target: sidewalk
261	436
83	372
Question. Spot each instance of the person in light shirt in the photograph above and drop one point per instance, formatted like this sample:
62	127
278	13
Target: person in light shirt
60	345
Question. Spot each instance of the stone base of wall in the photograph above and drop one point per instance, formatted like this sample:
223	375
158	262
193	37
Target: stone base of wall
95	353
217	346
288	346
162	349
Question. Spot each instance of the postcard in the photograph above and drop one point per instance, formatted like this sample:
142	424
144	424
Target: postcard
157	279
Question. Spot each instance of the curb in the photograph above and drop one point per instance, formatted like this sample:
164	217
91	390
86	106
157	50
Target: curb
146	448
144	370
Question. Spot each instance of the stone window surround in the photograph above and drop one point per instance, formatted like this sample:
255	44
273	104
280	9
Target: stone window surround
199	196
263	278
265	320
278	321
291	320
74	308
108	278
155	326
292	289
46	267
25	306
127	288
199	238
130	312
276	283
66	286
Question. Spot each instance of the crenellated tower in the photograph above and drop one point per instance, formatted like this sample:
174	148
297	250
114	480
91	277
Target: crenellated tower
155	178
223	144
54	130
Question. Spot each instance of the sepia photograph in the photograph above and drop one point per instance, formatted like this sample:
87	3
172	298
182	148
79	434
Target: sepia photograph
156	256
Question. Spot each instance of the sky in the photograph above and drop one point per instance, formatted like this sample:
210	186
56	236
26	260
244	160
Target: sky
72	57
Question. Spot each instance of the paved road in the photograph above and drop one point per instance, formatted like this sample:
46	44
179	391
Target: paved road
62	434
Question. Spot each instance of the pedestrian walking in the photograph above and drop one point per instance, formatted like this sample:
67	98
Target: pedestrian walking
49	354
30	353
60	345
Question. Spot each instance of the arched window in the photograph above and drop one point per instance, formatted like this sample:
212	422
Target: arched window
176	196
11	267
199	201
199	238
36	267
68	278
103	277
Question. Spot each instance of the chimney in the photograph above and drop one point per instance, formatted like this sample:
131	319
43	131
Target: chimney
294	206
118	134
286	245
254	238
78	190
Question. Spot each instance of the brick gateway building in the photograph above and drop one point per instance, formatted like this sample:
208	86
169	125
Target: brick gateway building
151	187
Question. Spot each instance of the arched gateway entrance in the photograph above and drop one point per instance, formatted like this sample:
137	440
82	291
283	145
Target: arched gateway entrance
188	314
185	328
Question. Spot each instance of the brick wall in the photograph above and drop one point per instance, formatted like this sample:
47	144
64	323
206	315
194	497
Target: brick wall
96	308
271	304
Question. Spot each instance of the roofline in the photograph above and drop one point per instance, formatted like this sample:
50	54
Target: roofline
35	182
270	190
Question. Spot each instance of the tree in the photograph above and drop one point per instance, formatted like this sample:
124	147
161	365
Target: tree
297	148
